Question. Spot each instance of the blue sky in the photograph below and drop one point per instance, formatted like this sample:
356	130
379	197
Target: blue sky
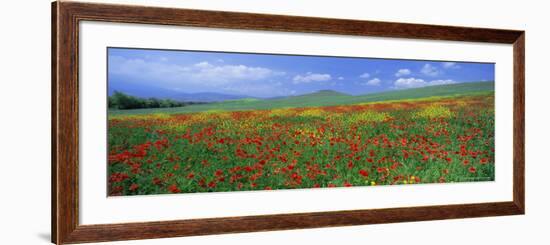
263	75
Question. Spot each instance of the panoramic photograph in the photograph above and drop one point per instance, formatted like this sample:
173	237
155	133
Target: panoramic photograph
202	121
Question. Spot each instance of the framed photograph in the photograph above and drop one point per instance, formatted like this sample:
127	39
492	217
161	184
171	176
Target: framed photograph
176	122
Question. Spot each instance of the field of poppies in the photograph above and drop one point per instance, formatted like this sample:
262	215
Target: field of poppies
430	140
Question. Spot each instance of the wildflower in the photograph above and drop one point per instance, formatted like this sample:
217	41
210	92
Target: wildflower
118	177
483	160
133	187
174	189
157	181
212	184
350	164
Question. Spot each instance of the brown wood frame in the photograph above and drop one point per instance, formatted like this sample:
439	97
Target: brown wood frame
65	111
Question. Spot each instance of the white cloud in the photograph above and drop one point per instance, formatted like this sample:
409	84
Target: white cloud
171	75
209	72
450	65
402	72
364	75
373	82
441	82
311	77
430	70
203	65
404	83
340	78
409	83
257	89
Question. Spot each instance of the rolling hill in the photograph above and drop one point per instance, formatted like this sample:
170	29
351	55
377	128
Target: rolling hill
161	93
326	98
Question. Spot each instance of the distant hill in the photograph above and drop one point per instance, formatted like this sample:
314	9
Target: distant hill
429	91
324	93
207	97
160	93
330	98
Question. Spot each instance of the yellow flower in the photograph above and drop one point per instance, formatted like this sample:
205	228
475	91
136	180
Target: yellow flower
372	183
405	182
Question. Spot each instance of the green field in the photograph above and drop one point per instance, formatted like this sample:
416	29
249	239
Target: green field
434	134
326	98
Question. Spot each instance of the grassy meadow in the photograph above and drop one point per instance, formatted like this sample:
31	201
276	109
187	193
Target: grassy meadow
435	134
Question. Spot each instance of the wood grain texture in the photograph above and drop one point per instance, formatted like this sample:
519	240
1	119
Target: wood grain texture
149	230
235	20
65	124
54	123
519	122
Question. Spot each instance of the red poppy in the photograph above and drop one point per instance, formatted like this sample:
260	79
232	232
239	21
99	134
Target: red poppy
212	184
466	162
133	187
157	181
371	153
364	173
116	190
118	177
174	189
350	164
472	169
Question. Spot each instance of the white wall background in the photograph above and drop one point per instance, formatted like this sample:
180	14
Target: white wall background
25	121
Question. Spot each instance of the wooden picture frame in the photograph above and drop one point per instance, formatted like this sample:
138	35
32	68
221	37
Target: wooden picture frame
65	121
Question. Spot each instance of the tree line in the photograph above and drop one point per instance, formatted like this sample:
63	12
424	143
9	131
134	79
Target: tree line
122	101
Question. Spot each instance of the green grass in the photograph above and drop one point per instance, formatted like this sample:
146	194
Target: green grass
411	142
325	98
